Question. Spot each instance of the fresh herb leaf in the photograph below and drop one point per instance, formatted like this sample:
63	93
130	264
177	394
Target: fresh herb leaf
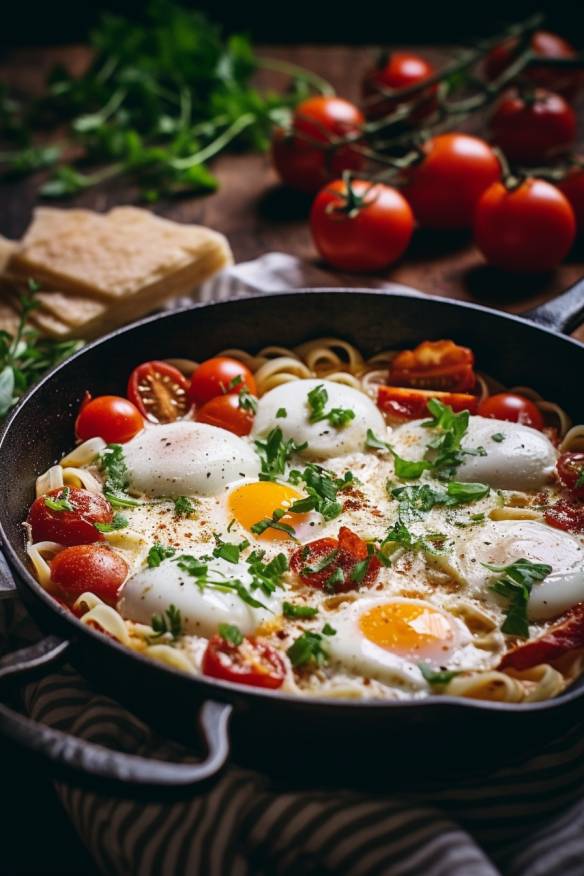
119	500
273	522
515	582
298	611
327	630
417	500
113	465
405	469
321	564
235	381
266	576
118	522
274	454
337	417
231	634
60	502
228	550
334	580
157	554
445	451
498	437
281	413
436	678
460	493
322	489
198	568
375	443
247	402
359	570
307	650
184	507
169	622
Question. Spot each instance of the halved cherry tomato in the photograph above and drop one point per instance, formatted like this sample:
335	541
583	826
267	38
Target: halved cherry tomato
513	407
546	45
225	411
570	468
444	187
533	129
220	376
253	663
334	564
527	229
159	391
69	527
311	153
411	404
111	417
399	70
89	567
566	515
560	638
434	365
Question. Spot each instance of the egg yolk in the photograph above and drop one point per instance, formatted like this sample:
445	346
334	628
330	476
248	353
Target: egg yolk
251	503
408	628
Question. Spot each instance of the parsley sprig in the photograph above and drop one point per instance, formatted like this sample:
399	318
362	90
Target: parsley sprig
322	488
113	465
168	622
60	502
308	649
317	399
118	522
158	553
274	454
445	450
515	583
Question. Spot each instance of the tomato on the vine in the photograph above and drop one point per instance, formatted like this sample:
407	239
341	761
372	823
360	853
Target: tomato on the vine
546	45
227	412
533	127
529	228
570	468
444	186
111	417
360	226
396	71
159	391
220	376
89	567
250	662
68	515
512	407
312	152
572	186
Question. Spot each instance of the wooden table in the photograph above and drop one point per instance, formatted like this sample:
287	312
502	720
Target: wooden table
258	215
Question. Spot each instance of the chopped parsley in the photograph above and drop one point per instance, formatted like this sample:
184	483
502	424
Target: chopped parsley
334	580
229	551
498	437
317	399
247	402
322	489
198	568
113	465
444	450
514	584
266	576
273	522
436	678
416	500
405	469
118	522
169	622
184	507
274	454
158	553
234	382
307	649
321	564
298	611
60	502
281	414
122	501
231	634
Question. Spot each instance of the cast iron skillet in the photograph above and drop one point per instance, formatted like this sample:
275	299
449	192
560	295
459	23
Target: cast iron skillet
311	741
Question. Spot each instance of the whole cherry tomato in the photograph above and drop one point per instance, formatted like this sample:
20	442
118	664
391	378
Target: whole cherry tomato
546	45
534	128
572	186
399	70
68	515
444	187
528	229
159	391
513	407
570	468
310	153
358	226
227	412
220	376
89	567
111	417
251	663
336	565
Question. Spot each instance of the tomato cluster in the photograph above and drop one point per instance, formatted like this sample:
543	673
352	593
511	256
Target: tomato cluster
449	181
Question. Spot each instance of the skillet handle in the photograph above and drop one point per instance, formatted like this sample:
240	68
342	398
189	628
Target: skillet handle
94	765
564	313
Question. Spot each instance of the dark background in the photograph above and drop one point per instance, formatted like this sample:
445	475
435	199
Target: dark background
283	21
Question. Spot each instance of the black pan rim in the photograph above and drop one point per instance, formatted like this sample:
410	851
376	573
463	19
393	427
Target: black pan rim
209	687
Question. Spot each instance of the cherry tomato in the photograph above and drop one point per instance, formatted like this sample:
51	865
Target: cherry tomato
399	70
528	229
572	186
546	45
570	469
444	187
225	411
220	376
310	154
74	521
566	515
253	663
401	403
89	567
159	391
567	635
512	407
434	365
531	130
360	227
334	564
111	417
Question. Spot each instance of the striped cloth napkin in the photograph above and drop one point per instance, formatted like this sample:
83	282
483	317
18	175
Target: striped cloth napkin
527	820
